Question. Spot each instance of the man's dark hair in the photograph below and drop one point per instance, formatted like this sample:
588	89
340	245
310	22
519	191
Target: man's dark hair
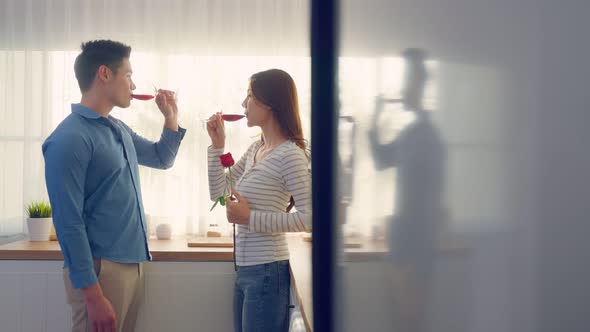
96	53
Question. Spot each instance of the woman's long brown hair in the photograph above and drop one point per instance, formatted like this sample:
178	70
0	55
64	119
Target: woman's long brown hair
276	89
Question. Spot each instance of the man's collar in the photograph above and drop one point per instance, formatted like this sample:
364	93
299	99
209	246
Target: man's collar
85	111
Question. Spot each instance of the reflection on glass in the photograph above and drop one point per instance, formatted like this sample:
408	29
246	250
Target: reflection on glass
393	220
418	156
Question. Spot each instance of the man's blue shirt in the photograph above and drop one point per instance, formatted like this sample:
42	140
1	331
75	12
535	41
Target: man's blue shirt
92	177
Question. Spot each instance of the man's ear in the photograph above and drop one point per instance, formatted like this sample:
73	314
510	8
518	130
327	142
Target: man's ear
104	73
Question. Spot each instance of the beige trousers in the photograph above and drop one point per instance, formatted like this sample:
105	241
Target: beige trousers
122	284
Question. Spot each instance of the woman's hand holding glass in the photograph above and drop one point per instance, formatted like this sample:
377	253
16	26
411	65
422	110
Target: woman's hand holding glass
216	131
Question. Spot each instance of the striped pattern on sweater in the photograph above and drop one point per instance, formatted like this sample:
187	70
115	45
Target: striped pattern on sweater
268	186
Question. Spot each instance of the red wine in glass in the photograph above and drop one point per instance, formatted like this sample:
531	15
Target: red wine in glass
142	97
232	117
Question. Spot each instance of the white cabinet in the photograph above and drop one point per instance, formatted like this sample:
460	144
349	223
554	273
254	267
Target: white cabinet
187	296
296	320
180	296
32	297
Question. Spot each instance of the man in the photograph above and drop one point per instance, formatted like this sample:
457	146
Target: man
419	157
92	176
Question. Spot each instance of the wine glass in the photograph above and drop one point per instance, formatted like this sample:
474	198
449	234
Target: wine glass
204	118
147	90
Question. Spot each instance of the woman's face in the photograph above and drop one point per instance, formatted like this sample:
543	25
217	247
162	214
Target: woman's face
256	112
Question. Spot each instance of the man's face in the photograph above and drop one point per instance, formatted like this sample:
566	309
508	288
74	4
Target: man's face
120	86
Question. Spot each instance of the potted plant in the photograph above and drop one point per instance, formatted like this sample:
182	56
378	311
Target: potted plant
39	221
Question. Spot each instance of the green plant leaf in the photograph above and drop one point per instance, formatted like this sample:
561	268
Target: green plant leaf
38	209
215	204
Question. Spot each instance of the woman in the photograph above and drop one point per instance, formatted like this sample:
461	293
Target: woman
270	179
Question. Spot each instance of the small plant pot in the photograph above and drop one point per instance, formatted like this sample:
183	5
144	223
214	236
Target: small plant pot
39	228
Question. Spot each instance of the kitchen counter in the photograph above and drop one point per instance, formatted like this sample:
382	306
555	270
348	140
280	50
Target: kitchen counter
177	250
161	250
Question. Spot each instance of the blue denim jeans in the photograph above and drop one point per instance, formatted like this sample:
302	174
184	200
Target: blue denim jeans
261	298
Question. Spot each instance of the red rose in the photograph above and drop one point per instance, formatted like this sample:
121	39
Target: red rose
226	160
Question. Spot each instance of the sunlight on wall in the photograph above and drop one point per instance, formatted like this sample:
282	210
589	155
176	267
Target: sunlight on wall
207	84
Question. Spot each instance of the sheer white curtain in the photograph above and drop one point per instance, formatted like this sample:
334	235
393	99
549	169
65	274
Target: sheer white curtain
206	50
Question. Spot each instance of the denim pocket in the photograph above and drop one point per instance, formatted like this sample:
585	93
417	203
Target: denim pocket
251	269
